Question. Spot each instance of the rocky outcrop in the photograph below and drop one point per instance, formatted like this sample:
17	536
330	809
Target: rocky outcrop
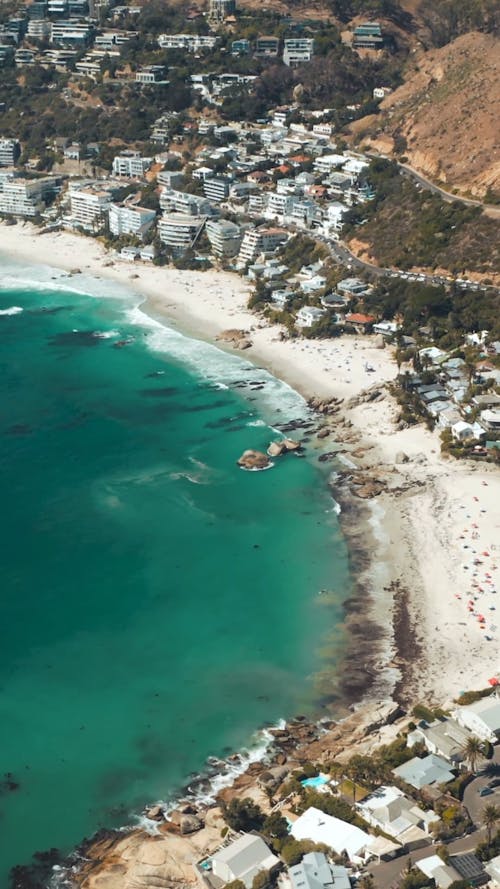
325	405
277	448
254	460
238	339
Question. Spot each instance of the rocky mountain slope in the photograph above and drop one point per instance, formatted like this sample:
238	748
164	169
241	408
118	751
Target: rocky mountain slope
444	118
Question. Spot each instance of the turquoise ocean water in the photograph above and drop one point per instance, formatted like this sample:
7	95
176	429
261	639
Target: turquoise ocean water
158	604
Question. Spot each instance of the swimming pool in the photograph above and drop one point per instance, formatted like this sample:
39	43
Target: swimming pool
318	781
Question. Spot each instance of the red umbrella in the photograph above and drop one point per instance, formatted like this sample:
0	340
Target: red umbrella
494	681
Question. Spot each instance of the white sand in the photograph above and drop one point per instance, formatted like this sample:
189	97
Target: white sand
424	530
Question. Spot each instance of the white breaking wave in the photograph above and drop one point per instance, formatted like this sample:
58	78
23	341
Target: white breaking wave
220	368
13	310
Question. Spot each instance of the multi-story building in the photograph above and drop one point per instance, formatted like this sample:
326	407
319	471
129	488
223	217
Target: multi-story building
39	29
57	7
182	202
9	152
151	74
89	205
224	237
179	232
368	36
216	188
240	47
71	33
298	50
189	42
131	164
267	46
280	205
260	240
25	197
24	57
129	219
219	10
37	9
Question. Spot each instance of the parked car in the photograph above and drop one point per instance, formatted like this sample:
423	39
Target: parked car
485	791
495	783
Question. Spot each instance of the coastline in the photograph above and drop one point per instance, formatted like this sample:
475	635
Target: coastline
405	534
409	536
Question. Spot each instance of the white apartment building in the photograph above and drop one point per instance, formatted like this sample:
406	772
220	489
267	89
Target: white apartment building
9	152
216	188
189	42
129	219
24	197
260	240
280	205
131	164
71	33
178	231
325	163
298	50
39	29
224	237
88	206
333	216
183	202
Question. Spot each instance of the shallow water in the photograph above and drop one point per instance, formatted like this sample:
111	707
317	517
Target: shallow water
158	603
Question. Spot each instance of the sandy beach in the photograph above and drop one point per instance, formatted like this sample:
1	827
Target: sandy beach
435	531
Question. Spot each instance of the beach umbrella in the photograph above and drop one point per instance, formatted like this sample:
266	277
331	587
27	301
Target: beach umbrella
494	681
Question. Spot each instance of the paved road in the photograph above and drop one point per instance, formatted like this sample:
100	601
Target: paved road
387	875
473	802
447	195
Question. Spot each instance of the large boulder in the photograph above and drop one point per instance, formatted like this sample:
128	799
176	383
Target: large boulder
292	445
254	460
276	448
190	824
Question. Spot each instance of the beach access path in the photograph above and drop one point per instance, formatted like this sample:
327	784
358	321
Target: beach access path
430	532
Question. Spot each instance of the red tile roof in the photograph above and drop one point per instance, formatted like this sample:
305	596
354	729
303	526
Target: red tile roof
359	318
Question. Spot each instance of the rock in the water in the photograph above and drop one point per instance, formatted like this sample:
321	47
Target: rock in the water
254	460
276	448
292	445
190	824
324	433
154	813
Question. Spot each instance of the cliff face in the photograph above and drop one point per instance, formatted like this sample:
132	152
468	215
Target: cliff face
448	111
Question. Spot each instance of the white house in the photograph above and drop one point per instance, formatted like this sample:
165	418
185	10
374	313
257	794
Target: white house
482	718
340	836
428	770
388	809
445	737
317	282
243	859
462	431
308	316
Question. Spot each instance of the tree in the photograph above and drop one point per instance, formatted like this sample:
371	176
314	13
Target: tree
275	826
490	817
260	880
244	814
472	751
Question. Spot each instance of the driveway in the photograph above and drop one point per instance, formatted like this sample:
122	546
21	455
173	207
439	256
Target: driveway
473	802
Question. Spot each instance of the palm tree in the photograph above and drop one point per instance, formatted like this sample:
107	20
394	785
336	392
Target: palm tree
491	815
472	750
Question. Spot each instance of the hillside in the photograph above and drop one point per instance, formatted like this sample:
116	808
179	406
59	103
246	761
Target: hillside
444	118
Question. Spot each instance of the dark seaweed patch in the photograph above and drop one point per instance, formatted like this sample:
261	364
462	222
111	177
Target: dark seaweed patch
75	338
